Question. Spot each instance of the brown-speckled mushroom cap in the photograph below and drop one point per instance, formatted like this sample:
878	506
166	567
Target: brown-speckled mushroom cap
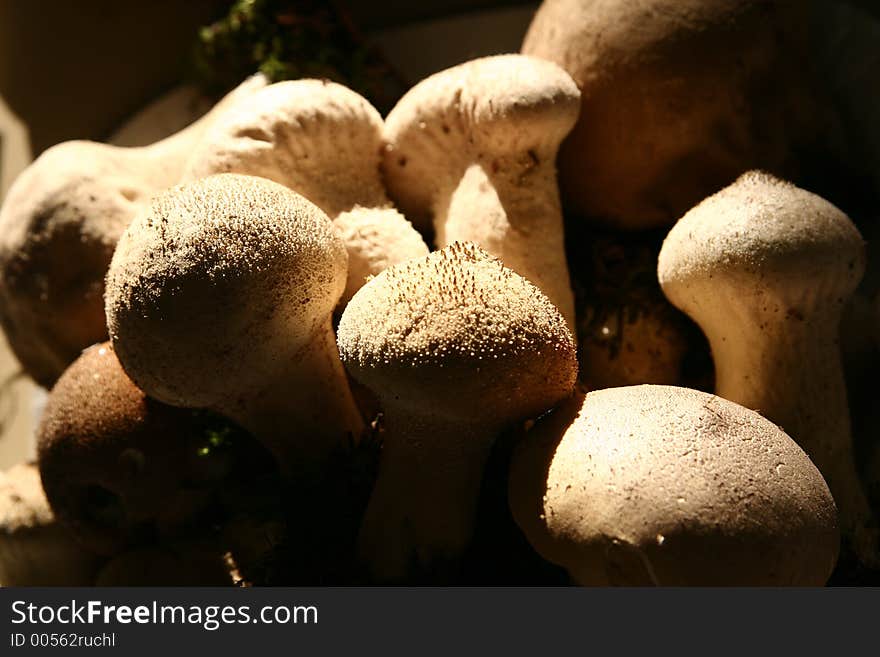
59	225
482	109
114	461
661	485
678	98
315	136
458	334
209	289
762	231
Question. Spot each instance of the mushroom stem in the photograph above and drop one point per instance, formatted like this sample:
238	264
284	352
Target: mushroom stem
439	464
300	416
791	373
517	201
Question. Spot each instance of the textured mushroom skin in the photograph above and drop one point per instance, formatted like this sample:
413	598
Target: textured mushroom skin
221	296
678	98
34	549
457	347
60	222
321	140
658	485
375	239
459	335
765	269
317	137
473	148
100	434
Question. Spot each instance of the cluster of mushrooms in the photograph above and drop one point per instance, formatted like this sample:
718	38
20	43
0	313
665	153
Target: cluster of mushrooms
293	275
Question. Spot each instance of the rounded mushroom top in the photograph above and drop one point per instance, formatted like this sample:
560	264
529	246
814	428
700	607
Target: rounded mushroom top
763	229
664	485
213	289
315	136
461	333
375	239
112	459
506	105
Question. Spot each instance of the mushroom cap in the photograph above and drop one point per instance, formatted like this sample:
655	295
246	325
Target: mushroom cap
663	485
678	98
34	549
375	238
314	136
112	460
458	334
212	291
477	111
762	230
59	225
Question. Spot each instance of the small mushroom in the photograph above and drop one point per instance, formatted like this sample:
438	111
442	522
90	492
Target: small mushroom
375	238
457	347
220	297
59	225
116	464
35	550
657	485
474	148
765	269
678	97
321	140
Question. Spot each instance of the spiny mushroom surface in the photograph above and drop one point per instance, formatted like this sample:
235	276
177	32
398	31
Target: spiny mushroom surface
658	485
457	347
765	269
35	550
116	464
220	297
59	225
678	97
321	140
473	148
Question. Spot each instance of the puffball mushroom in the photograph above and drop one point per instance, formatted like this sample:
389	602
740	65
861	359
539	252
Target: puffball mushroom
658	485
375	238
765	269
35	550
321	140
220	297
474	148
457	347
114	462
59	225
678	98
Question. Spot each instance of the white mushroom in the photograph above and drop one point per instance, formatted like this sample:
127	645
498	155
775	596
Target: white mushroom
658	485
765	269
457	347
474	148
221	297
59	225
321	140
